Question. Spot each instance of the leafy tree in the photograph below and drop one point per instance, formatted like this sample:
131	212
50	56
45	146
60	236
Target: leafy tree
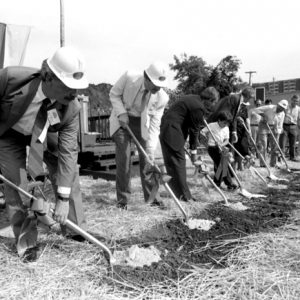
224	76
194	75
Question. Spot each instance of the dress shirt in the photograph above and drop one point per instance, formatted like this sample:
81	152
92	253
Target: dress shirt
273	118
292	115
26	123
254	118
137	107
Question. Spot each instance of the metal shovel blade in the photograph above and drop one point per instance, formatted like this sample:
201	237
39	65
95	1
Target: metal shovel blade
273	177
248	195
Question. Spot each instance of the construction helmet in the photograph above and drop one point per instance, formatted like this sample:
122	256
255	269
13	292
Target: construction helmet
68	65
157	74
283	103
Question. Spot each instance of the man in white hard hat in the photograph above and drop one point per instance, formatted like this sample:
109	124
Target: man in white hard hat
39	108
291	125
273	115
138	101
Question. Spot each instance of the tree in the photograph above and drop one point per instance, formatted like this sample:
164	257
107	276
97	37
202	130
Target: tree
194	75
224	76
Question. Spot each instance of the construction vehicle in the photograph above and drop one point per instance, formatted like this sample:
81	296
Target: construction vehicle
96	155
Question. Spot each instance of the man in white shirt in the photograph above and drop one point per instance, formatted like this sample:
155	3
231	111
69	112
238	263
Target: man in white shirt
291	124
272	115
254	120
138	101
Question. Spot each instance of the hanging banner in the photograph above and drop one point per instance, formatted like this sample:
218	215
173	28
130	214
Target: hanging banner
13	43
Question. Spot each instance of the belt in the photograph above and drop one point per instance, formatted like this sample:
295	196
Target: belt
290	124
254	124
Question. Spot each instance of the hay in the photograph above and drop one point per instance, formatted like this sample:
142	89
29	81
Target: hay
261	266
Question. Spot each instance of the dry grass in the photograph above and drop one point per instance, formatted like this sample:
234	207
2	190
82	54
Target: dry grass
262	266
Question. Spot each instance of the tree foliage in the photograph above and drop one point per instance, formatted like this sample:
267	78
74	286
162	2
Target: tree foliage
194	74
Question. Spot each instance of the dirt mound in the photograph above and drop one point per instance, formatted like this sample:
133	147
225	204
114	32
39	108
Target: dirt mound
182	248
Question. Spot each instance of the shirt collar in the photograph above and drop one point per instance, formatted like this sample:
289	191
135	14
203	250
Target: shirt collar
40	96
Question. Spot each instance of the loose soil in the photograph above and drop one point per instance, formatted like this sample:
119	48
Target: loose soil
183	249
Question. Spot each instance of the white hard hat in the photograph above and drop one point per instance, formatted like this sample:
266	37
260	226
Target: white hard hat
157	72
68	65
283	103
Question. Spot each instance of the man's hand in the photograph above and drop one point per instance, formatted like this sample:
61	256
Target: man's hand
124	120
194	157
234	137
61	211
240	120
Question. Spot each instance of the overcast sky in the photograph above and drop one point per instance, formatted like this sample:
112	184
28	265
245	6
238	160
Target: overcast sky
116	35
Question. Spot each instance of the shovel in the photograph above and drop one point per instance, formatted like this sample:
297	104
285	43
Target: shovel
167	187
277	145
69	223
243	191
208	178
251	168
270	176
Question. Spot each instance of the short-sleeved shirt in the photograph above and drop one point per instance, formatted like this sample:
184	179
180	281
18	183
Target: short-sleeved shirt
220	133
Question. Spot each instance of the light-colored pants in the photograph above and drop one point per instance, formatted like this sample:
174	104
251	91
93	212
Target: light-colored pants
263	138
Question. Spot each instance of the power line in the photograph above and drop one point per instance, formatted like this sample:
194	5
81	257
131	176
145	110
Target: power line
250	76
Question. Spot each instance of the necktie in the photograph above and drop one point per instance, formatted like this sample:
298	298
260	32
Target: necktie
144	110
36	152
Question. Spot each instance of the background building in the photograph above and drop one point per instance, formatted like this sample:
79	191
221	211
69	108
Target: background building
277	90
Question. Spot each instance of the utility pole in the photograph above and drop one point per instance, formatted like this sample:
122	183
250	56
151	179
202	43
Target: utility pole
62	24
250	76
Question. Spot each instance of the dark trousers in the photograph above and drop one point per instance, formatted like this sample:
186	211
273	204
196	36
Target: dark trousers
13	167
176	167
122	140
289	133
216	156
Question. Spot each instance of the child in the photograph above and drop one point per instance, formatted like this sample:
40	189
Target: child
219	152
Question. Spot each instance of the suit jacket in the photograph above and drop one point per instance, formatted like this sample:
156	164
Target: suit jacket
229	103
184	118
122	96
18	86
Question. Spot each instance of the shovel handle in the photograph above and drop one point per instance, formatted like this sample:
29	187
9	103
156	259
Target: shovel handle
277	145
229	165
209	179
257	151
167	187
69	223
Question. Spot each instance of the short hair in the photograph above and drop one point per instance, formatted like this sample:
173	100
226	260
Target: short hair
248	92
46	72
268	101
224	115
295	97
210	93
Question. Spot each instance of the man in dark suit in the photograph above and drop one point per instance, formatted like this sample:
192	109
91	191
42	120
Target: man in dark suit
23	93
182	120
232	104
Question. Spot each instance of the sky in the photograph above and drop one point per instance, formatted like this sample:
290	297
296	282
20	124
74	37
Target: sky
118	35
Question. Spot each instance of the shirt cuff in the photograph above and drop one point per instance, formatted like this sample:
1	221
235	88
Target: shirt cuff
64	190
194	151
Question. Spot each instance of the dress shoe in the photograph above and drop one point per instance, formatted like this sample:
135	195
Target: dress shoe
232	187
158	204
122	206
31	255
76	238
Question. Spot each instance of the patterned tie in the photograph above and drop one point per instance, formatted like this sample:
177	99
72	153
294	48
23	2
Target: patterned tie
36	152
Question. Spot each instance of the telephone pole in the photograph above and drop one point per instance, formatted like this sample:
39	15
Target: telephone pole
250	76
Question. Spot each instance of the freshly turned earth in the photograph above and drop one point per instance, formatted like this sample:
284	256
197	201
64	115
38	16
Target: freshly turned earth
183	248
